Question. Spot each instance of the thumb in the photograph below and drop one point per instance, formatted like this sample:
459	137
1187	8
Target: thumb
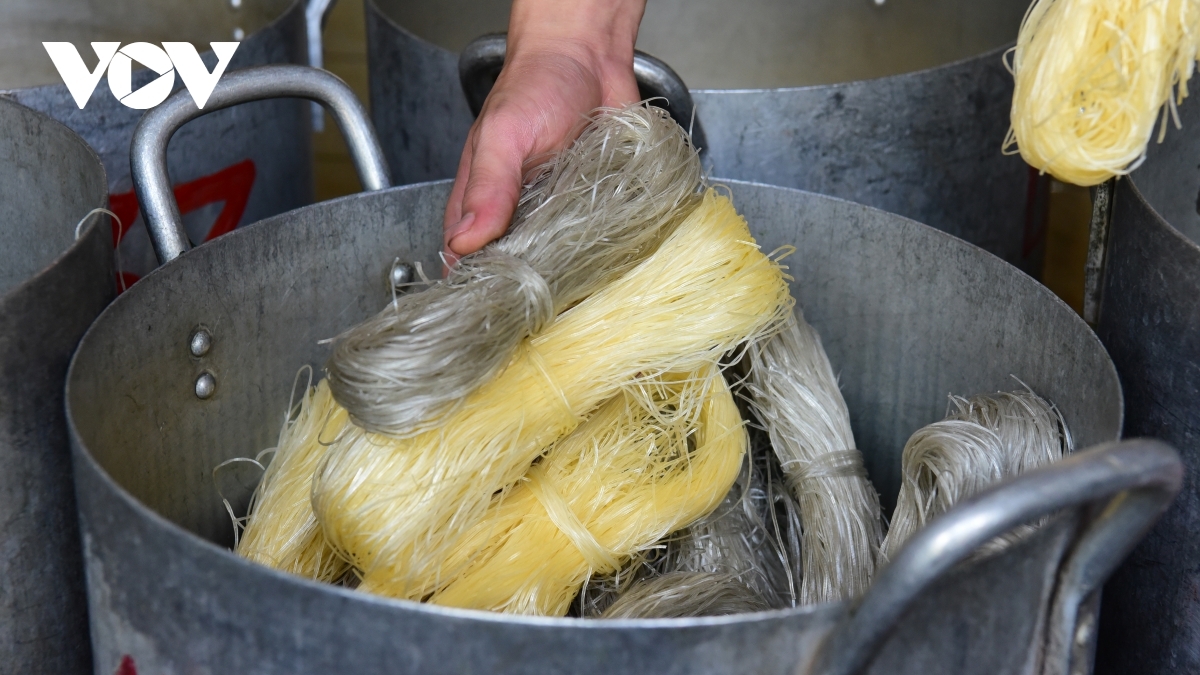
492	189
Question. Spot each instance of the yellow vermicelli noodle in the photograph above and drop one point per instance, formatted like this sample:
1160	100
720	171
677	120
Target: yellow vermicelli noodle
1092	78
640	468
282	532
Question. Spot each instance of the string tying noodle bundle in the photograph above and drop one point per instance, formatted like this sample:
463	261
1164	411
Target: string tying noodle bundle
984	439
678	595
395	506
794	394
1091	77
593	212
640	468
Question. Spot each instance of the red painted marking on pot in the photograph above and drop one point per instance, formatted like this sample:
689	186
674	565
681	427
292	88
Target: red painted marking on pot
127	667
230	186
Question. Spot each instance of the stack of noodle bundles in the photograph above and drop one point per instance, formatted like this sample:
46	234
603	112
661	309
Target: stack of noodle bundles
391	505
1091	77
422	508
982	440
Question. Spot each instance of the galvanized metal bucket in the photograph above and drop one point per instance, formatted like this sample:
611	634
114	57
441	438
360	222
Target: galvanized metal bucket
1150	322
906	312
56	274
231	168
901	106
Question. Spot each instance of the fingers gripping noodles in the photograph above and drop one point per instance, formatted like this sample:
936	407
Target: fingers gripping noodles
599	208
1091	78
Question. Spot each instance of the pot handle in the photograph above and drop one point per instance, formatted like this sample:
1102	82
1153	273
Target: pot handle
1136	480
481	60
148	151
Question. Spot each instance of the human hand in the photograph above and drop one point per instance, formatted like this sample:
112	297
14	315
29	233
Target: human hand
564	59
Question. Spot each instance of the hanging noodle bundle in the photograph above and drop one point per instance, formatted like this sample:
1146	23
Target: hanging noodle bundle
796	397
1091	77
591	214
640	468
394	506
983	440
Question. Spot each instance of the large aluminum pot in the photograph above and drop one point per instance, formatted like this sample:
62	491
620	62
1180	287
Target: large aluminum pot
56	274
898	105
232	168
1150	322
907	314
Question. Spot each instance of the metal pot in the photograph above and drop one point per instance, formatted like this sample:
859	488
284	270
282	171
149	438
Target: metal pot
219	332
56	274
785	95
229	169
1150	322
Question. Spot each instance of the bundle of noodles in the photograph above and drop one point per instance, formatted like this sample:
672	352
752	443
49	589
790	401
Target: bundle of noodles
685	594
393	507
282	532
984	439
591	214
736	540
645	464
796	398
749	547
732	560
1091	77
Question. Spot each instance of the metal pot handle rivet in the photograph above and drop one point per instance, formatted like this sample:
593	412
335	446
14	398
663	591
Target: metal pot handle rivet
148	151
206	385
480	62
200	342
1137	478
400	275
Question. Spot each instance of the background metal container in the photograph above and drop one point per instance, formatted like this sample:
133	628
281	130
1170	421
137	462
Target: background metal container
1150	322
231	168
53	282
905	313
785	93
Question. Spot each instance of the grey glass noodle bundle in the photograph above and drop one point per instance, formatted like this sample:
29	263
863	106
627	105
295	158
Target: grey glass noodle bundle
589	215
795	396
984	439
686	594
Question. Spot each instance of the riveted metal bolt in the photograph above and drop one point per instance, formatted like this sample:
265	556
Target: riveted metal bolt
200	343
206	385
239	34
400	275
